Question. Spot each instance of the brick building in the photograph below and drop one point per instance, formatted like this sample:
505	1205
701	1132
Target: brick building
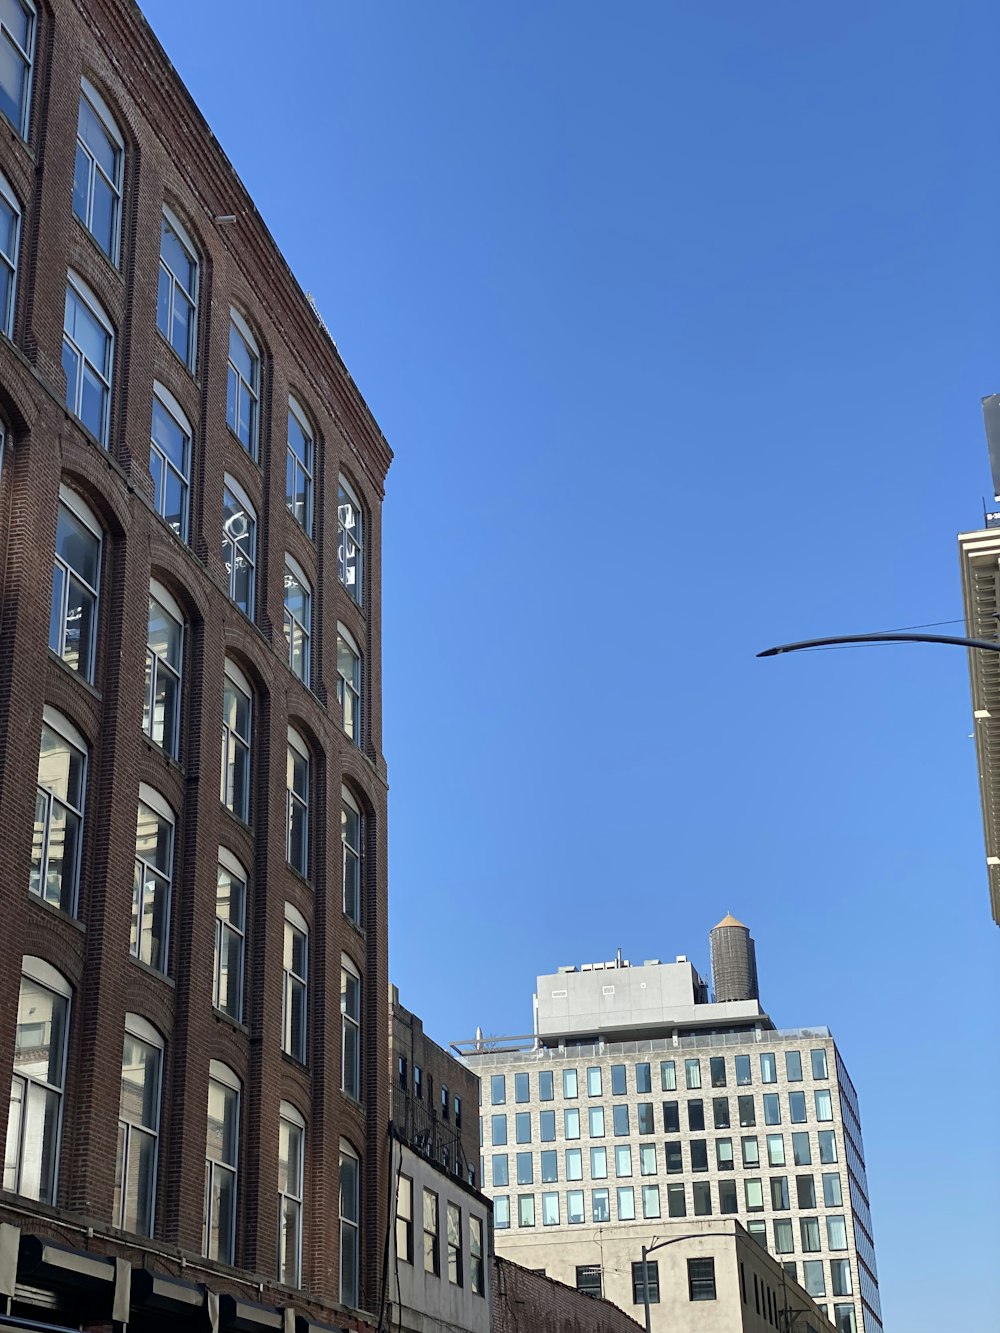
192	788
524	1299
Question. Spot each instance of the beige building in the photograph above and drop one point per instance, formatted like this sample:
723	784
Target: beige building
980	558
637	1105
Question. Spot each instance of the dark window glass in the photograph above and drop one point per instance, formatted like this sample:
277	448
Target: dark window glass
696	1113
699	1154
748	1115
701	1279
720	1112
743	1071
522	1092
643	1079
717	1065
618	1082
673	1158
546	1092
650	1288
671	1118
727	1196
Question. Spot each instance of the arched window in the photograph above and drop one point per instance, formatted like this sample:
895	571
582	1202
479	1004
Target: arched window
170	460
31	1161
237	720
296	985
164	670
138	1127
17	49
349	683
291	1157
97	177
298	618
59	812
222	1163
300	467
297	797
10	237
243	387
239	544
75	584
153	880
230	935
88	358
350	1217
350	1009
350	541
352	841
177	289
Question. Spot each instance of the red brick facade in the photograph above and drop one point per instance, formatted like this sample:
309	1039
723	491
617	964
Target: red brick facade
529	1302
170	159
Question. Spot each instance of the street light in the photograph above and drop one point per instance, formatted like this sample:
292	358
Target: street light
658	1245
990	645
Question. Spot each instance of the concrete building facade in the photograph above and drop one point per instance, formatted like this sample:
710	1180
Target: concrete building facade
637	1102
193	970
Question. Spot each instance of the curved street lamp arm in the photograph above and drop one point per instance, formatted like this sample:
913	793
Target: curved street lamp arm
989	645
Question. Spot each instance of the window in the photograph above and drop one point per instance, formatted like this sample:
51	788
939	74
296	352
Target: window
404	1218
720	1112
298	619
779	1194
230	935
59	809
501	1212
768	1067
717	1069
138	1127
237	714
350	1008
10	236
498	1129
805	1191
239	545
297	810
748	1115
643	1078
550	1166
775	1150
546	1087
832	1196
153	879
647	1159
743	1077
793	1066
596	1119
751	1151
550	1209
402	1068
87	351
351	836
97	176
644	1112
456	1103
350	1217
836	1233
161	714
525	1210
350	538
772	1108
668	1076
619	1117
676	1204
243	386
522	1088
818	1061
455	1276
17	40
571	1122
600	1205
619	1083
840	1275
753	1192
797	1107
31	1161
599	1163
574	1163
525	1169
594	1082
692	1073
170	460
299	467
699	1154
177	289
291	1143
501	1170
702	1192
477	1271
349	683
570	1083
701	1279
522	1127
814	1277
809	1229
646	1283
588	1280
75	580
801	1153
727	1196
575	1215
824	1105
758	1232
498	1089
827	1147
672	1153
784	1239
418	1088
696	1113
295	964
547	1126
671	1118
623	1160
221	1157
843	1317
724	1154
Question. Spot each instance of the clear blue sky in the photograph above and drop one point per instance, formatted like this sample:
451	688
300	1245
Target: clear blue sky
677	316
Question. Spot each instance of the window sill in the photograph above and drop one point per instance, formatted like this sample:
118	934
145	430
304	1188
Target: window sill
221	1016
157	752
251	454
92	240
190	370
153	971
238	820
75	675
295	1062
57	912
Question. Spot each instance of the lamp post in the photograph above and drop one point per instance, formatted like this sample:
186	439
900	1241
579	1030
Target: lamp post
658	1245
989	645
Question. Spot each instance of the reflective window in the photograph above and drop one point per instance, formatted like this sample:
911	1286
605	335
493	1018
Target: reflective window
153	879
668	1076
170	460
546	1086
75	581
797	1107
832	1195
843	1318
297	804
239	545
59	811
550	1166
570	1083
619	1084
498	1089
840	1276
295	964
647	1159
824	1104
501	1212
571	1123
350	538
230	935
525	1169
779	1194
97	175
600	1205
619	1118
522	1088
625	1199
574	1163
525	1210
298	619
291	1144
221	1163
596	1117
827	1146
623	1160
724	1154
751	1151
17	42
805	1191
87	352
299	467
350	1009
594	1082
784	1237
809	1231
818	1061
10	236
717	1070
237	710
547	1126
498	1130
651	1200
748	1114
775	1150
243	385
643	1078
352	843
599	1163
501	1170
793	1066
31	1159
720	1112
743	1076
753	1191
177	289
350	1216
814	1277
522	1127
836	1232
692	1073
772	1108
644	1114
349	684
768	1067
801	1152
550	1209
161	712
138	1127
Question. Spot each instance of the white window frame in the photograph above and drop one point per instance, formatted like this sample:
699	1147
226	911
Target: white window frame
141	1030
354	688
294	983
295	629
349	1280
155	664
231	485
174	410
231	737
45	975
102	111
237	322
306	469
61	725
352	855
28	57
226	928
290	1199
224	1077
84	294
81	511
176	226
153	800
10	261
295	802
350	1025
346	493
